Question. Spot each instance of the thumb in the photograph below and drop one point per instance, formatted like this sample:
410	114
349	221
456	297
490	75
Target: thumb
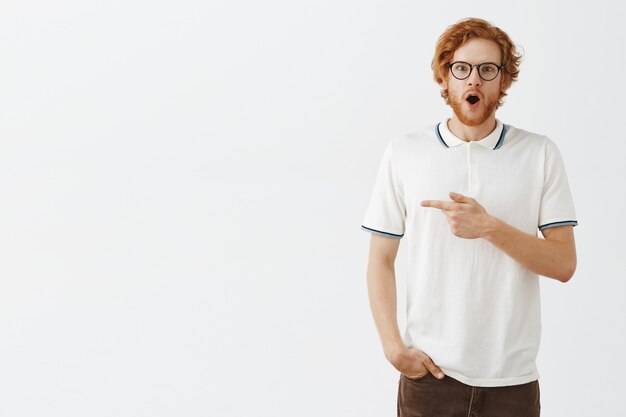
461	198
434	369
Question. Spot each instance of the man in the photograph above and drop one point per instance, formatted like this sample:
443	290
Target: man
469	195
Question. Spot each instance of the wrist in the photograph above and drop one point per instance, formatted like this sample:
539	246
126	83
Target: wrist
492	225
393	351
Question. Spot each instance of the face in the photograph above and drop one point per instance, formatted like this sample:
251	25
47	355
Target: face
475	51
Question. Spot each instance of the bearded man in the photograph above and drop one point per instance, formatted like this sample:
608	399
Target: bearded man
470	195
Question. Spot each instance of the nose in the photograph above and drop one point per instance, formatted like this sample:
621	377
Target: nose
474	78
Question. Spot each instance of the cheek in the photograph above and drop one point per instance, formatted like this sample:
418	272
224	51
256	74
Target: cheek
495	91
454	90
502	87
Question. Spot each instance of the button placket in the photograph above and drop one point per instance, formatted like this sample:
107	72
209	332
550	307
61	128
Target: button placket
472	172
469	167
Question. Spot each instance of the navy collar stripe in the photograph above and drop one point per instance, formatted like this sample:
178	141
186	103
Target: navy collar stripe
498	144
439	135
501	139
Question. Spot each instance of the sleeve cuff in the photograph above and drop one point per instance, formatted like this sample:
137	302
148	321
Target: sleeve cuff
554	224
380	232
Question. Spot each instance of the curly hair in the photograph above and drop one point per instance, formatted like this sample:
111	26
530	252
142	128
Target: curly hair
458	34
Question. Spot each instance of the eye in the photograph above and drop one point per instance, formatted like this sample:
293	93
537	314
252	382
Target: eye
460	67
487	68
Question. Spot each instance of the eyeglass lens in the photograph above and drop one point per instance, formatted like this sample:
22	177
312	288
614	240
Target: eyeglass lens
487	72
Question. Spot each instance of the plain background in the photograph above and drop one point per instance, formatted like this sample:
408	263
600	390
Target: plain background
183	185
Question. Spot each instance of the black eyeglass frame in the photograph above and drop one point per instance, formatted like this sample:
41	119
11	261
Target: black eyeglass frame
472	68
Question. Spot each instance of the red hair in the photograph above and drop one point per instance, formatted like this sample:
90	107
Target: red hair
456	35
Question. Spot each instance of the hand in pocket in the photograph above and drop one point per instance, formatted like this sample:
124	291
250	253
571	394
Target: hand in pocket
415	364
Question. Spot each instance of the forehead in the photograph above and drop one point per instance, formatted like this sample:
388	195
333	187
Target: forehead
478	50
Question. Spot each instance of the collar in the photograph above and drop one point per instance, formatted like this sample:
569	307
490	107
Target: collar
492	141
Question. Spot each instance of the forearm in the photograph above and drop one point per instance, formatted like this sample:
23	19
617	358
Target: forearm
381	284
544	257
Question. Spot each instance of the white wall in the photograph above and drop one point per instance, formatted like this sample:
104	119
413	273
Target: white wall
183	185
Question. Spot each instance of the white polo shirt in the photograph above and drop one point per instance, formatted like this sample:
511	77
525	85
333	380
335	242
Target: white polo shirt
471	307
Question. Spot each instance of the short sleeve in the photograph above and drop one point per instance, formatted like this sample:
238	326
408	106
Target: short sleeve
557	205
386	212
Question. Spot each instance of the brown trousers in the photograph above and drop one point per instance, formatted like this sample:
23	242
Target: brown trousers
431	397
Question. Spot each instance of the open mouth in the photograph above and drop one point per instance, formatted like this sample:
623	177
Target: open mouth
473	99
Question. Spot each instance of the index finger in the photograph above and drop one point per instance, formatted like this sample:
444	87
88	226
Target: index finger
440	204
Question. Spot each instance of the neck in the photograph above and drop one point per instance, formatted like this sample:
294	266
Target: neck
472	133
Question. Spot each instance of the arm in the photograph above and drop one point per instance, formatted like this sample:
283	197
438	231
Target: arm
381	285
553	257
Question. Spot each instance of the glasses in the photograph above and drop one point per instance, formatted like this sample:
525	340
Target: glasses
487	70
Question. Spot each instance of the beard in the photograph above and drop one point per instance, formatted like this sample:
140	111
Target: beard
473	117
